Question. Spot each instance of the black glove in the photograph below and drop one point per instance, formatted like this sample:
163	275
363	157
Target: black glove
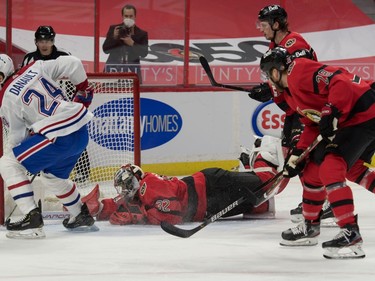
293	138
328	121
291	169
262	92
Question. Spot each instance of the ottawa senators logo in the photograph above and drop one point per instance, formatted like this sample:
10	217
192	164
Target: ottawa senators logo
312	114
143	188
290	42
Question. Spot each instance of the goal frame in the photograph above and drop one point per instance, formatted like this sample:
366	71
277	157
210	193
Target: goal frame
136	116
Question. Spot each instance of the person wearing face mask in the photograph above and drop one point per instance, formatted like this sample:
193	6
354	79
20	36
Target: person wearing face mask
125	43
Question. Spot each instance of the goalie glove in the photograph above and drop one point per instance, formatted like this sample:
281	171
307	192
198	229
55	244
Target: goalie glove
291	168
328	121
84	93
129	214
261	93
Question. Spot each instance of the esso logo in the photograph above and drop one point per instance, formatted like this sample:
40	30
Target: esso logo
268	119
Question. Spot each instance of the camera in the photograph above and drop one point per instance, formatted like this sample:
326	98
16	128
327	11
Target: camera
123	31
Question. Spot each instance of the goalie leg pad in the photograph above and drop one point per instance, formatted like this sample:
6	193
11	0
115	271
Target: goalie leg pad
108	208
92	201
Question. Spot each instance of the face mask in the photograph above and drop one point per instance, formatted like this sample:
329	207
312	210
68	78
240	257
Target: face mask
129	22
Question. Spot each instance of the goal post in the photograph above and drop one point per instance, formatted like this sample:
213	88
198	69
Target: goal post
114	139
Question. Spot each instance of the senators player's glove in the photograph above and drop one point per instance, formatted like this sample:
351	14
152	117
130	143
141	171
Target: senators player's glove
261	93
328	121
129	214
291	168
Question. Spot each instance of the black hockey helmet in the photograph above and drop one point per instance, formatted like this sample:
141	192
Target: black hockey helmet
274	58
45	32
272	14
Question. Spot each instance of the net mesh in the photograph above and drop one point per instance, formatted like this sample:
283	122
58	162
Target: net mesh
111	143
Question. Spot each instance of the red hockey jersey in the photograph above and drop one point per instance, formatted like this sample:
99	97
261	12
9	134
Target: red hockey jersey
312	84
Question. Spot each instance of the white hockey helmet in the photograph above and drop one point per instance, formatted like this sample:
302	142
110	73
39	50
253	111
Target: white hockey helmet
126	180
6	67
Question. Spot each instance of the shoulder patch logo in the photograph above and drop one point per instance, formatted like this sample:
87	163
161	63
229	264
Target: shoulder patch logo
290	42
143	188
290	67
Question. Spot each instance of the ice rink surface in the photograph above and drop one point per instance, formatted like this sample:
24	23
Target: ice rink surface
227	250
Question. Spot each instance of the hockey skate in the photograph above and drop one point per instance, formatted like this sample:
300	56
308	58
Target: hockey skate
327	218
347	244
29	227
304	234
83	222
296	214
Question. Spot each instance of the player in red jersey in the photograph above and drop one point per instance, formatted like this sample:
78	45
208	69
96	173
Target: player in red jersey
273	23
341	107
154	198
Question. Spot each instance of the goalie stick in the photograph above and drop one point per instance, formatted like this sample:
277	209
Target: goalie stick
213	82
255	198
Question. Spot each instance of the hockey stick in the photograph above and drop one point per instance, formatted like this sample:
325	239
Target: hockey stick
213	82
254	199
262	196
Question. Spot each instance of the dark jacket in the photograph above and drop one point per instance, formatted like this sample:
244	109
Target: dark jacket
120	53
36	55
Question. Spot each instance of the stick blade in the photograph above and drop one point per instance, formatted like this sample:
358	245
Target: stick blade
179	232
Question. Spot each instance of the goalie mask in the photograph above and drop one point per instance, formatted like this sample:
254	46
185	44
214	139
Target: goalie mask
6	67
127	180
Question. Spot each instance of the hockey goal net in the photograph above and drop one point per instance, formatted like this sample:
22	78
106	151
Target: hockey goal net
114	140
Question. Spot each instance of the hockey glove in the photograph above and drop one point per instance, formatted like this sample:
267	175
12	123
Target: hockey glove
328	121
261	93
291	168
294	138
84	97
129	214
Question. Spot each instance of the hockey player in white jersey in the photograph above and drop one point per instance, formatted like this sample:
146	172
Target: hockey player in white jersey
46	134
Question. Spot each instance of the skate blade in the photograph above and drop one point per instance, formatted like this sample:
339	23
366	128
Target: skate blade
351	252
79	229
34	233
300	242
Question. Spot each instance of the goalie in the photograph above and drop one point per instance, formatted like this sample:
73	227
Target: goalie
149	198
